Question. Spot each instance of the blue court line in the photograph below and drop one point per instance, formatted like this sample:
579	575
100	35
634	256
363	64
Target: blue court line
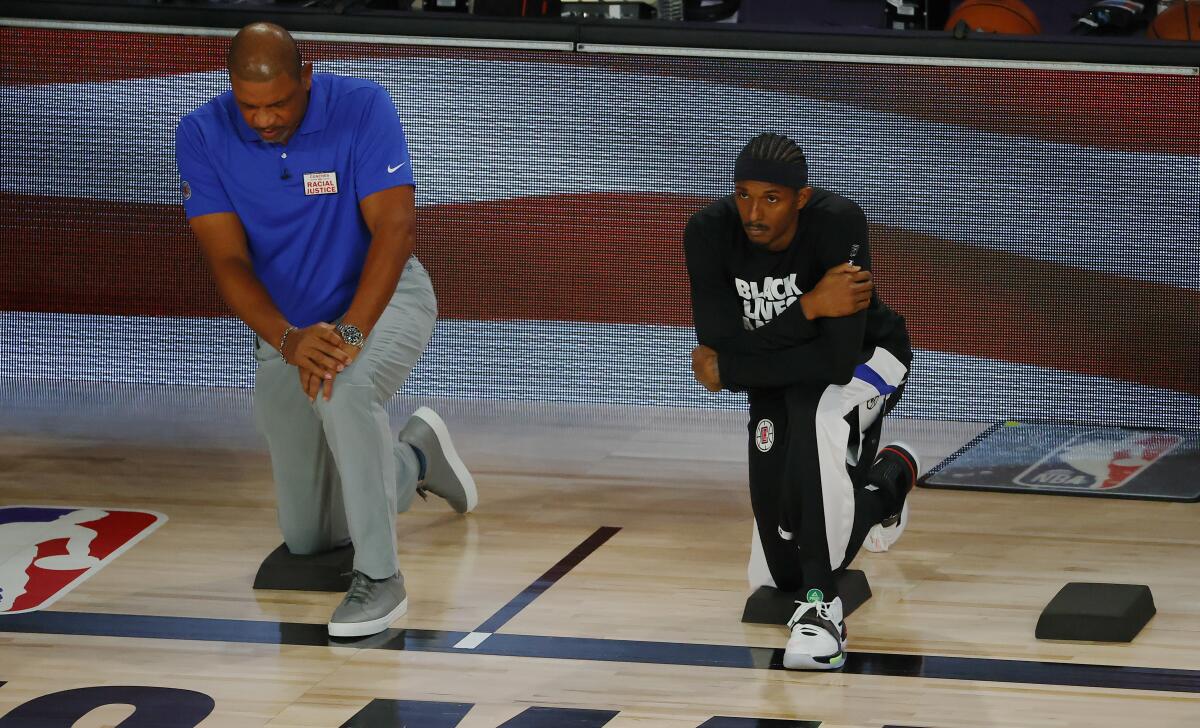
603	650
388	713
724	721
542	717
383	713
547	580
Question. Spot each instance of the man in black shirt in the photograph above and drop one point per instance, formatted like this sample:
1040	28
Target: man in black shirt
785	310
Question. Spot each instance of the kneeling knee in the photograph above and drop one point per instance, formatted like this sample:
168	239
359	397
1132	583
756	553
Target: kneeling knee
306	544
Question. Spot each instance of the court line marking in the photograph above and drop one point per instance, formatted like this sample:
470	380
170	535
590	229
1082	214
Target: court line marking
974	669
472	640
598	538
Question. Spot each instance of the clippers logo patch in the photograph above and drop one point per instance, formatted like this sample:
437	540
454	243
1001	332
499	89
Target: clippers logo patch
46	552
1099	460
186	189
320	183
764	435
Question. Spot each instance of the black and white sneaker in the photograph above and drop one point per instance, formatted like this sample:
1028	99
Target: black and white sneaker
896	469
818	640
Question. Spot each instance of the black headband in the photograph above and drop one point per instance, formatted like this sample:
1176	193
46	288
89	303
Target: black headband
788	174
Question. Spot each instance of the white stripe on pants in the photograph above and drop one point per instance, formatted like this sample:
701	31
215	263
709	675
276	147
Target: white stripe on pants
833	436
833	453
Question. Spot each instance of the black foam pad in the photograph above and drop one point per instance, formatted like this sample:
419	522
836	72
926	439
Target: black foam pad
768	605
329	571
1096	612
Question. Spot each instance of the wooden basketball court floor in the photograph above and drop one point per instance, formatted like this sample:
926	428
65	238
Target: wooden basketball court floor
600	582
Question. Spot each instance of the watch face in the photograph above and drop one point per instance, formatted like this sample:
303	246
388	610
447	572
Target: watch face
350	334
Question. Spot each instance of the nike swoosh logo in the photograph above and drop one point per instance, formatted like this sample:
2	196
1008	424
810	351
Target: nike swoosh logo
398	166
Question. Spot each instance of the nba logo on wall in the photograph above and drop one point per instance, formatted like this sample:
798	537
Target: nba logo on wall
1099	460
46	552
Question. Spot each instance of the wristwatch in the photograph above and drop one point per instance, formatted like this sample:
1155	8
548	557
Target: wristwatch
350	334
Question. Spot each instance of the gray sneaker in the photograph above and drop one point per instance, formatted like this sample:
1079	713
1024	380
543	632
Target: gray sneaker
369	607
445	473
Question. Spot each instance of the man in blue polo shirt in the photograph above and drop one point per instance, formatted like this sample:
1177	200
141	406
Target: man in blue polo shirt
299	188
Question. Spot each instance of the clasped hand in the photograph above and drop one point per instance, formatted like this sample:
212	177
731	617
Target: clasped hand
844	290
704	368
320	355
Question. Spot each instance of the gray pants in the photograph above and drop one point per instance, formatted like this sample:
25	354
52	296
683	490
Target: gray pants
339	473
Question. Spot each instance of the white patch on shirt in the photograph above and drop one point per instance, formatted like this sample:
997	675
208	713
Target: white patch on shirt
320	183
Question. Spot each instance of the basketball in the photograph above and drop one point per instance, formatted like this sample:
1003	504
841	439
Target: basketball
1181	21
1009	17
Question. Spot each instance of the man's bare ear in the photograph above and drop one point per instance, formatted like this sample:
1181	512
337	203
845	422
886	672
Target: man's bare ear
803	198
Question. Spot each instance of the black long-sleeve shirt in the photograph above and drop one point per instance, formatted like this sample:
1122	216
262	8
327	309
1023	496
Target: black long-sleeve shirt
745	298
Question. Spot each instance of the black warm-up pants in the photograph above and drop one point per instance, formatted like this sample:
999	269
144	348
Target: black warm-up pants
811	448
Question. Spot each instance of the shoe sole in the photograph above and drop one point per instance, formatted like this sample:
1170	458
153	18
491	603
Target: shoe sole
808	662
457	466
366	629
804	661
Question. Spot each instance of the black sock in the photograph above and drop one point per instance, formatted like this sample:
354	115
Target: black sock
422	464
890	474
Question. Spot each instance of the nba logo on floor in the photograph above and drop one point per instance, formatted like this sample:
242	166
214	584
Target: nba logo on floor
46	552
1099	460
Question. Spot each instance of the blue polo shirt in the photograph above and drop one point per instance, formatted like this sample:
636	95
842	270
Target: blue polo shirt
298	201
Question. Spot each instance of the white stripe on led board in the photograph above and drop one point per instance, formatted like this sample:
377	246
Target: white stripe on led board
628	49
539	45
765	55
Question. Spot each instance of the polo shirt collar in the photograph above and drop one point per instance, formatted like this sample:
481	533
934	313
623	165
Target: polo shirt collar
314	115
318	107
